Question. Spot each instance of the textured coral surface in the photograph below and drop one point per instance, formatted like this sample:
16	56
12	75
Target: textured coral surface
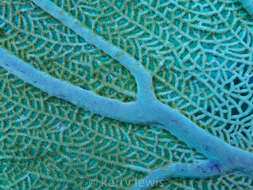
198	52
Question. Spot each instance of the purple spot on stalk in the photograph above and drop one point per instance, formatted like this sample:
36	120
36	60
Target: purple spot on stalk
22	71
201	168
214	166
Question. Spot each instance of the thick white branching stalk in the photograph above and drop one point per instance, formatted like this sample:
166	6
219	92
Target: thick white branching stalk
143	78
222	157
202	169
64	90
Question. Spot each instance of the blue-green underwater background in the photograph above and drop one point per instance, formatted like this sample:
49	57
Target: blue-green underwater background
200	56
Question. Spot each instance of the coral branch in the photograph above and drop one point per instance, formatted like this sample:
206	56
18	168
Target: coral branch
142	76
187	131
203	169
197	138
64	90
154	112
147	109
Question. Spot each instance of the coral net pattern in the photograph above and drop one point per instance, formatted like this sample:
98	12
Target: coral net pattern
199	54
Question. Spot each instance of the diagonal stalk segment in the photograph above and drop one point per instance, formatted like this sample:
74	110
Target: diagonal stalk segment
82	98
142	76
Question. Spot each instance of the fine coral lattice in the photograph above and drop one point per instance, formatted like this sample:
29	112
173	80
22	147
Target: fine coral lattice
117	94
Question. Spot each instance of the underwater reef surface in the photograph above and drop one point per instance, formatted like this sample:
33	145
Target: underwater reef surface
101	94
